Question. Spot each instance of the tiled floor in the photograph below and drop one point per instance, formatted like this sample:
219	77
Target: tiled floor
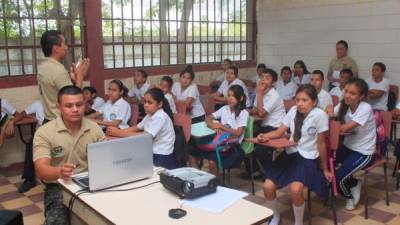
31	203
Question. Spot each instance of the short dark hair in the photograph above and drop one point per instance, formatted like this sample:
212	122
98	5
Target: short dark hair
381	65
92	90
228	60
320	73
144	74
235	70
261	66
48	40
286	68
344	43
68	90
347	71
271	72
168	79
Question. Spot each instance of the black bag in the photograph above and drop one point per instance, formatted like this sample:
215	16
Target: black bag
180	147
397	149
391	104
11	217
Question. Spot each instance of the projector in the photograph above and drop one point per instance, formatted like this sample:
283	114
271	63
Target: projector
189	182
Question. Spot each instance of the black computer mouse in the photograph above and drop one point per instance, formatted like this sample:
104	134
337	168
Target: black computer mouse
176	213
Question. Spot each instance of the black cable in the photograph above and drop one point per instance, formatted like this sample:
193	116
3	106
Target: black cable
72	201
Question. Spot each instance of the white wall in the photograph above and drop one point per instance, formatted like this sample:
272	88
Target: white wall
289	30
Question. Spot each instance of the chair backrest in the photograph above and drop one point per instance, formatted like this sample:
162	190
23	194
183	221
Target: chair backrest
208	103
334	134
134	115
335	100
248	147
185	121
204	89
181	107
395	90
289	104
387	123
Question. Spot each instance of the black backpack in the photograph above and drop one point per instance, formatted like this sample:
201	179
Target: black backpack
180	147
391	104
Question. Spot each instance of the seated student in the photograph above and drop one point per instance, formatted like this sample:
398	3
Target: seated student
35	108
59	151
396	111
220	78
257	77
344	76
358	148
93	103
231	79
324	98
378	87
301	74
9	115
299	166
233	119
116	112
140	86
158	123
268	105
286	87
166	85
186	90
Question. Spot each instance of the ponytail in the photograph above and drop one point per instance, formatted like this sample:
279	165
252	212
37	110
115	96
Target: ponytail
158	95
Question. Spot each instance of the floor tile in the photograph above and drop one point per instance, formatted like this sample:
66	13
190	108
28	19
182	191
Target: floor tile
379	215
17	203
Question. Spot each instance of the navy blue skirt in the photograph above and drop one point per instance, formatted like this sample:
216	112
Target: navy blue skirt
288	168
166	161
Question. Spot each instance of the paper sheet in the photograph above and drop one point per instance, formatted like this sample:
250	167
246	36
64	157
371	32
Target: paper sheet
216	202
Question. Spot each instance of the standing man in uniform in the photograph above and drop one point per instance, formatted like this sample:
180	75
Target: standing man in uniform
52	76
342	61
59	150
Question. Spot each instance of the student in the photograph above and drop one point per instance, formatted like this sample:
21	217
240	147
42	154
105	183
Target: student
59	151
158	123
225	65
231	79
345	75
140	86
233	119
299	166
93	103
378	87
301	74
257	77
324	98
286	87
268	105
8	117
116	112
358	148
186	90
166	85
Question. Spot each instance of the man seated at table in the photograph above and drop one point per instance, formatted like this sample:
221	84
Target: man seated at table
59	150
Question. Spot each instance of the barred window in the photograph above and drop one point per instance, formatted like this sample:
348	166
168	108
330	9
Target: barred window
140	33
22	23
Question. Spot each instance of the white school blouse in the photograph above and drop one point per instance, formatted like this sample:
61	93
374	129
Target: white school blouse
97	103
36	108
324	99
171	102
273	105
189	92
120	110
7	108
288	91
228	118
379	103
305	80
337	92
138	93
223	89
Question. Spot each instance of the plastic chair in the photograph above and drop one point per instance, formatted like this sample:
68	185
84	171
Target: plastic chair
134	115
204	89
181	107
289	104
208	103
387	120
185	121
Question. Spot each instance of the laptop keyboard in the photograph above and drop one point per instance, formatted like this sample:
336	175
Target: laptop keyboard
85	181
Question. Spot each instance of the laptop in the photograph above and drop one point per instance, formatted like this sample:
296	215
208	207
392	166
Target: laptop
116	162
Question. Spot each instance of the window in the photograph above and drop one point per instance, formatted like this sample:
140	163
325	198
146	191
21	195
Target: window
139	33
22	23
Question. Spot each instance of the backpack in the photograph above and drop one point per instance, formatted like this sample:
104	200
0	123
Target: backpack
180	147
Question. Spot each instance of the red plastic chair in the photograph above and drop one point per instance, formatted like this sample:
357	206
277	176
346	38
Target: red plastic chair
289	104
181	107
185	121
134	115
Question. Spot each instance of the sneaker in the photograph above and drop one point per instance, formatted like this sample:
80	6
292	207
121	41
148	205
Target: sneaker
356	192
350	204
26	186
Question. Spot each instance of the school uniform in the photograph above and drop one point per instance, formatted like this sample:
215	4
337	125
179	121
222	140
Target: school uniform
97	103
379	103
160	126
336	91
191	91
138	93
221	77
306	79
255	79
286	91
6	109
358	149
120	110
301	162
324	99
223	89
36	108
171	102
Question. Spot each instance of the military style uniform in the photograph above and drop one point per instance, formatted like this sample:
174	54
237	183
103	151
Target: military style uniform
54	141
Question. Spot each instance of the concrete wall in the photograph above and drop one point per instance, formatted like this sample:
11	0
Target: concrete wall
289	30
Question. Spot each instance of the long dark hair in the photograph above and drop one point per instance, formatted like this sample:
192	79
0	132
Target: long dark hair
121	87
302	65
362	88
189	70
309	90
158	95
238	93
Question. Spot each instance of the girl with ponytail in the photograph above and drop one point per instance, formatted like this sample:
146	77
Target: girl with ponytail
304	165
158	123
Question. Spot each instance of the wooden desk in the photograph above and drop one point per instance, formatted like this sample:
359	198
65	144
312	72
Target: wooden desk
274	143
150	205
27	120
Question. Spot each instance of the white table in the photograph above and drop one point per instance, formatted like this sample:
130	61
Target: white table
150	205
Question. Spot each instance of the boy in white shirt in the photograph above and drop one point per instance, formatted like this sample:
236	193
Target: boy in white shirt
324	98
220	78
378	87
345	75
166	85
286	87
257	77
93	103
140	86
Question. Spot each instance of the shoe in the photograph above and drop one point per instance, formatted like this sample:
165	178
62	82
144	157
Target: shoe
26	186
356	192
350	204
